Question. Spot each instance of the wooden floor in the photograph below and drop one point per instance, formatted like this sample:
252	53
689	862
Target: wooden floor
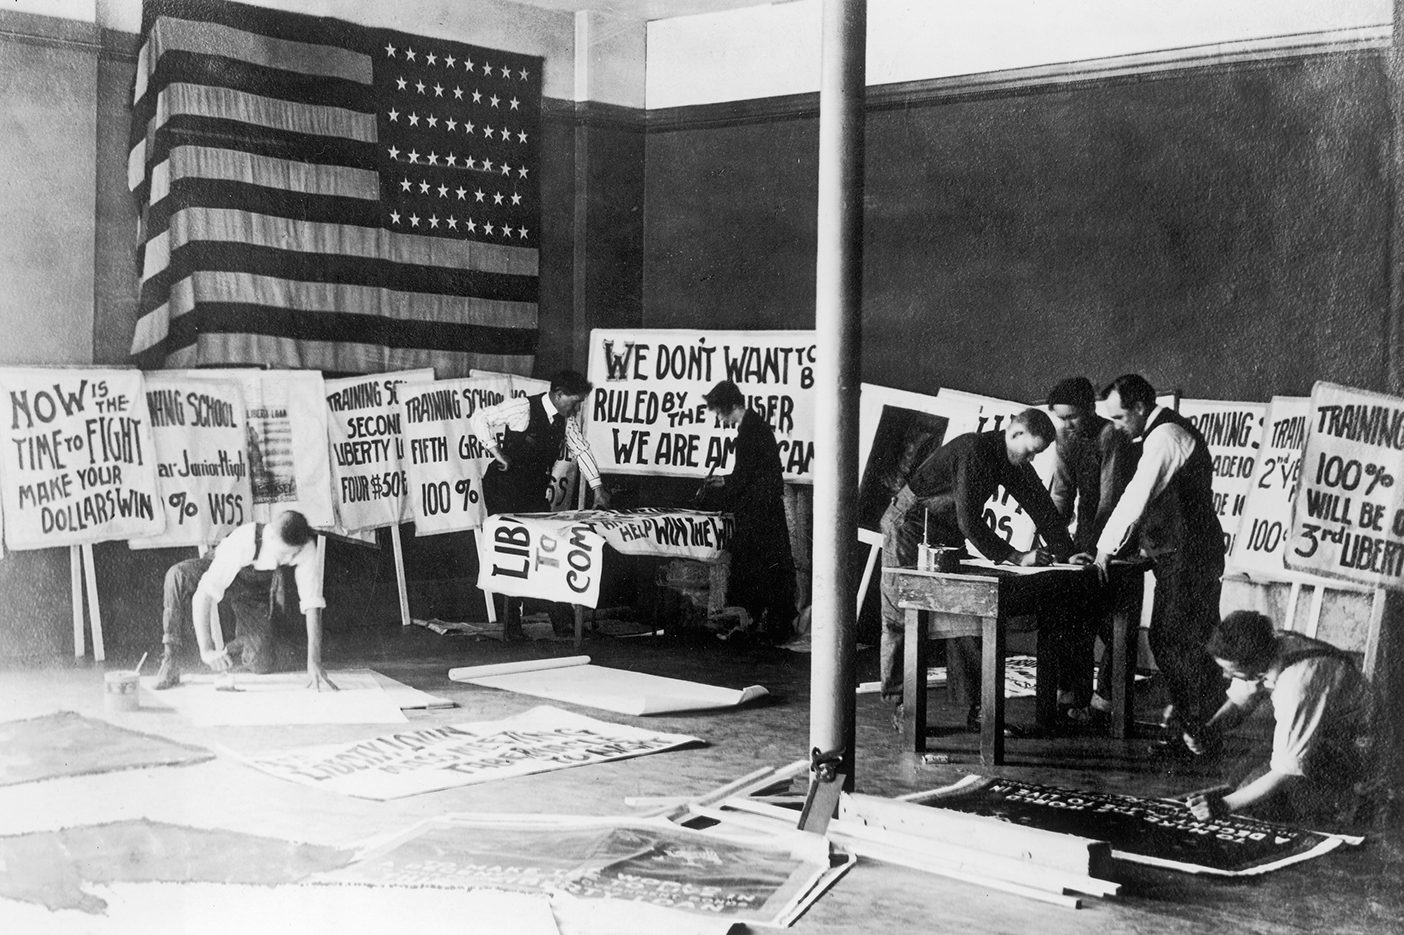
1357	890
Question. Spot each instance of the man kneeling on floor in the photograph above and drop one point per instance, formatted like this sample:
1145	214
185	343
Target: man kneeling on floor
245	572
1319	701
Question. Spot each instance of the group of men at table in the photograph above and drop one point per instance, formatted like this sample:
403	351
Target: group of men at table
1139	480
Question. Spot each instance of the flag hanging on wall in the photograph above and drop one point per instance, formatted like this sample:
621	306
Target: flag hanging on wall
316	194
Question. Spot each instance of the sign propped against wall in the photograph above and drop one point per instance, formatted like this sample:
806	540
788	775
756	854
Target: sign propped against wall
199	427
646	414
1348	515
1260	548
368	448
445	461
77	457
1231	430
286	412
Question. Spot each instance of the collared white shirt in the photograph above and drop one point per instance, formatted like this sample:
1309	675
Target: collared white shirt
489	422
237	551
1163	453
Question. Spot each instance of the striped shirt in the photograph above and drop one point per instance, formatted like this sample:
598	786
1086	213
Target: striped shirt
489	422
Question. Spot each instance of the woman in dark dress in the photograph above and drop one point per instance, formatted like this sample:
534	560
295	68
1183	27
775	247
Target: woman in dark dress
762	574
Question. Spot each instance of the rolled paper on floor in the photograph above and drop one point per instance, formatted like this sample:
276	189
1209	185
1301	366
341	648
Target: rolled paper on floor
511	668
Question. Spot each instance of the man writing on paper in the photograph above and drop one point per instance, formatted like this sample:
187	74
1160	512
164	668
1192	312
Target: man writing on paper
1094	462
1320	704
952	486
245	572
526	436
762	572
1170	498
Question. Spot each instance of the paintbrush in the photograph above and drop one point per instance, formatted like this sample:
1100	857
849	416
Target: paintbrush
141	663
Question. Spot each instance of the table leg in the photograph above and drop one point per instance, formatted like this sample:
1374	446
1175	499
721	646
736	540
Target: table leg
992	692
1123	650
1045	676
914	680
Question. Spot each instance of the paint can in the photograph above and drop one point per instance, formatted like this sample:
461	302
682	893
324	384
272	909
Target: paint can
937	558
120	690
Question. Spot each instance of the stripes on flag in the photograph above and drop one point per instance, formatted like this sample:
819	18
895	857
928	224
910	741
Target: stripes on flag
318	194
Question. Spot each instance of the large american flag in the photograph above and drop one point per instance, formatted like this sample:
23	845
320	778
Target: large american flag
316	194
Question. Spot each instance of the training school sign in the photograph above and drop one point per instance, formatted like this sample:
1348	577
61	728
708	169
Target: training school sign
1260	548
646	414
1348	516
77	458
445	756
1231	430
445	465
368	448
199	429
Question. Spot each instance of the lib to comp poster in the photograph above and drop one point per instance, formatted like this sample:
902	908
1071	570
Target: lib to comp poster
1348	516
200	432
77	458
646	414
368	448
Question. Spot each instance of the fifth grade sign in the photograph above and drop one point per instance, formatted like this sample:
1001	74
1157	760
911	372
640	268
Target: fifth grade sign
1348	516
646	414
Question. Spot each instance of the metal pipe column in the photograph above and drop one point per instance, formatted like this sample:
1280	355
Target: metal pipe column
838	325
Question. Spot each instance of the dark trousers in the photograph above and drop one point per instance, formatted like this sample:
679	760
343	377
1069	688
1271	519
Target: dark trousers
254	598
1185	612
522	490
901	534
1073	638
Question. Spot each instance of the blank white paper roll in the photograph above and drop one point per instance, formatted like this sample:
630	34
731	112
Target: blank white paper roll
465	673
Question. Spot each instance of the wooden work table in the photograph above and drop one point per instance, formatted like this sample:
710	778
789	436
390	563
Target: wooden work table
981	601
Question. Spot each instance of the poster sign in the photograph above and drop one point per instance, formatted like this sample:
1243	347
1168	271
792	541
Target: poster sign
1159	832
1348	515
78	460
368	448
1260	548
200	433
446	756
1231	430
612	863
446	462
646	414
289	467
540	555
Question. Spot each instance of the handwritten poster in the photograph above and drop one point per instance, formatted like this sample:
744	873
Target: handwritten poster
1261	544
199	429
368	448
646	414
1348	515
1231	430
78	459
446	756
538	555
445	461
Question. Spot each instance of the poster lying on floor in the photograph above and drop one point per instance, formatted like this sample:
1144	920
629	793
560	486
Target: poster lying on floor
573	680
1159	832
608	864
445	756
77	458
200	432
69	744
363	697
646	414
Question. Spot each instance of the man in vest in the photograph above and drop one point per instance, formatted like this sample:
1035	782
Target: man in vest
1171	501
526	436
1319	703
244	572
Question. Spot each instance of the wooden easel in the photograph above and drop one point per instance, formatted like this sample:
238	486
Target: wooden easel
81	566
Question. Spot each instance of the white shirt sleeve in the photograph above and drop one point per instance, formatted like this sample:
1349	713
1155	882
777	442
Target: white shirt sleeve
1163	452
579	449
307	572
486	423
233	552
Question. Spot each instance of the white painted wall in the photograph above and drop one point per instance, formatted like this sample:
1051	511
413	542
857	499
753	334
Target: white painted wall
774	50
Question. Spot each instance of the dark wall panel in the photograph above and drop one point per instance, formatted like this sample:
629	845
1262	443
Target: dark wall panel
1221	231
